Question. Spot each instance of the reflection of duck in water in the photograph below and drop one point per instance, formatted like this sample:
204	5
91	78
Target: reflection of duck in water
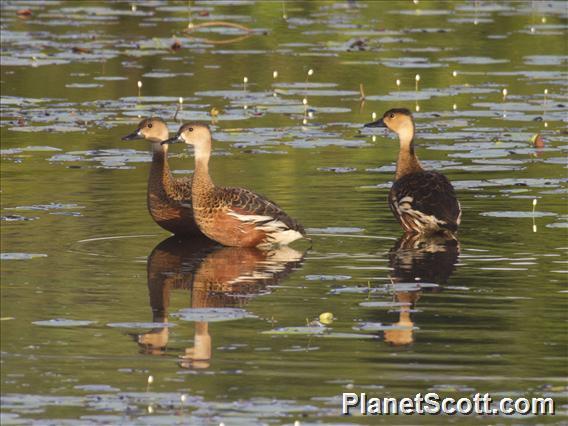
217	277
414	260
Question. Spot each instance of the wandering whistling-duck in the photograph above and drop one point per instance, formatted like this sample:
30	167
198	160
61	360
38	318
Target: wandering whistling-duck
169	199
232	216
423	201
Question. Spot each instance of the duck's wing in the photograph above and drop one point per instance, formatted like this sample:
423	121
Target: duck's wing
426	201
250	207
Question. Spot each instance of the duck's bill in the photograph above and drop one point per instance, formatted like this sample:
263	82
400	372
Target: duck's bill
132	136
175	139
378	123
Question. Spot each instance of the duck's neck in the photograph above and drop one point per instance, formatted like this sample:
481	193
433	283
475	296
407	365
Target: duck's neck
407	161
160	173
202	182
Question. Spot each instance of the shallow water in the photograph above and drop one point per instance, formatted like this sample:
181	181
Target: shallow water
96	297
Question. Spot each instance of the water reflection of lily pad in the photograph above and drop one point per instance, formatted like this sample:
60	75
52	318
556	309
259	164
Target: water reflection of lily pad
475	60
138	325
20	256
383	304
212	314
45	207
327	277
97	388
337	169
54	128
297	331
358	290
62	322
563	225
377	326
83	85
335	230
517	214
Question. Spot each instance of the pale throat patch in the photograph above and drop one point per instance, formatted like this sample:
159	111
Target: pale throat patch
406	134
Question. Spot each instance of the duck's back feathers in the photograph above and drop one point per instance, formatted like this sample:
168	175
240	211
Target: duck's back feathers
425	202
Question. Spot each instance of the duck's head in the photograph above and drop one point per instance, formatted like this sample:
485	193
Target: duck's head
153	129
398	120
195	134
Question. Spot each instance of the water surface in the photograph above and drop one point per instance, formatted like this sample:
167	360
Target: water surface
96	297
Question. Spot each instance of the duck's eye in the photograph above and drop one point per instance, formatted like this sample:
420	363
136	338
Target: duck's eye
190	129
149	125
391	115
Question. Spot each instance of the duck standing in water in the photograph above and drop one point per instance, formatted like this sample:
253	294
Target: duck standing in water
423	201
232	216
169	198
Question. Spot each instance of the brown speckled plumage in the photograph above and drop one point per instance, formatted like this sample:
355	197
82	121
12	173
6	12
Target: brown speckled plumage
168	198
233	216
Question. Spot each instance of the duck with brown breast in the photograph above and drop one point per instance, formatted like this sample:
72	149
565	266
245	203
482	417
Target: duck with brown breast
232	216
169	198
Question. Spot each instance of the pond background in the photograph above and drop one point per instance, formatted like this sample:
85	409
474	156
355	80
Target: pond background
492	320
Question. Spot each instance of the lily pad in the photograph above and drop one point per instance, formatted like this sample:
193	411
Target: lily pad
212	314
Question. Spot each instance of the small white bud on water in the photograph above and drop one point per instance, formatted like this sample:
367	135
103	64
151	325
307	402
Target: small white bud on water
221	424
545	124
415	1
543	20
150	409
455	107
310	114
134	8
297	423
532	30
150	380
310	72
183	397
534	228
455	73
417	77
245	80
139	84
417	108
546	91
397	82
180	100
505	92
374	138
374	116
305	121
274	74
305	101
534	202
475	21
245	106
